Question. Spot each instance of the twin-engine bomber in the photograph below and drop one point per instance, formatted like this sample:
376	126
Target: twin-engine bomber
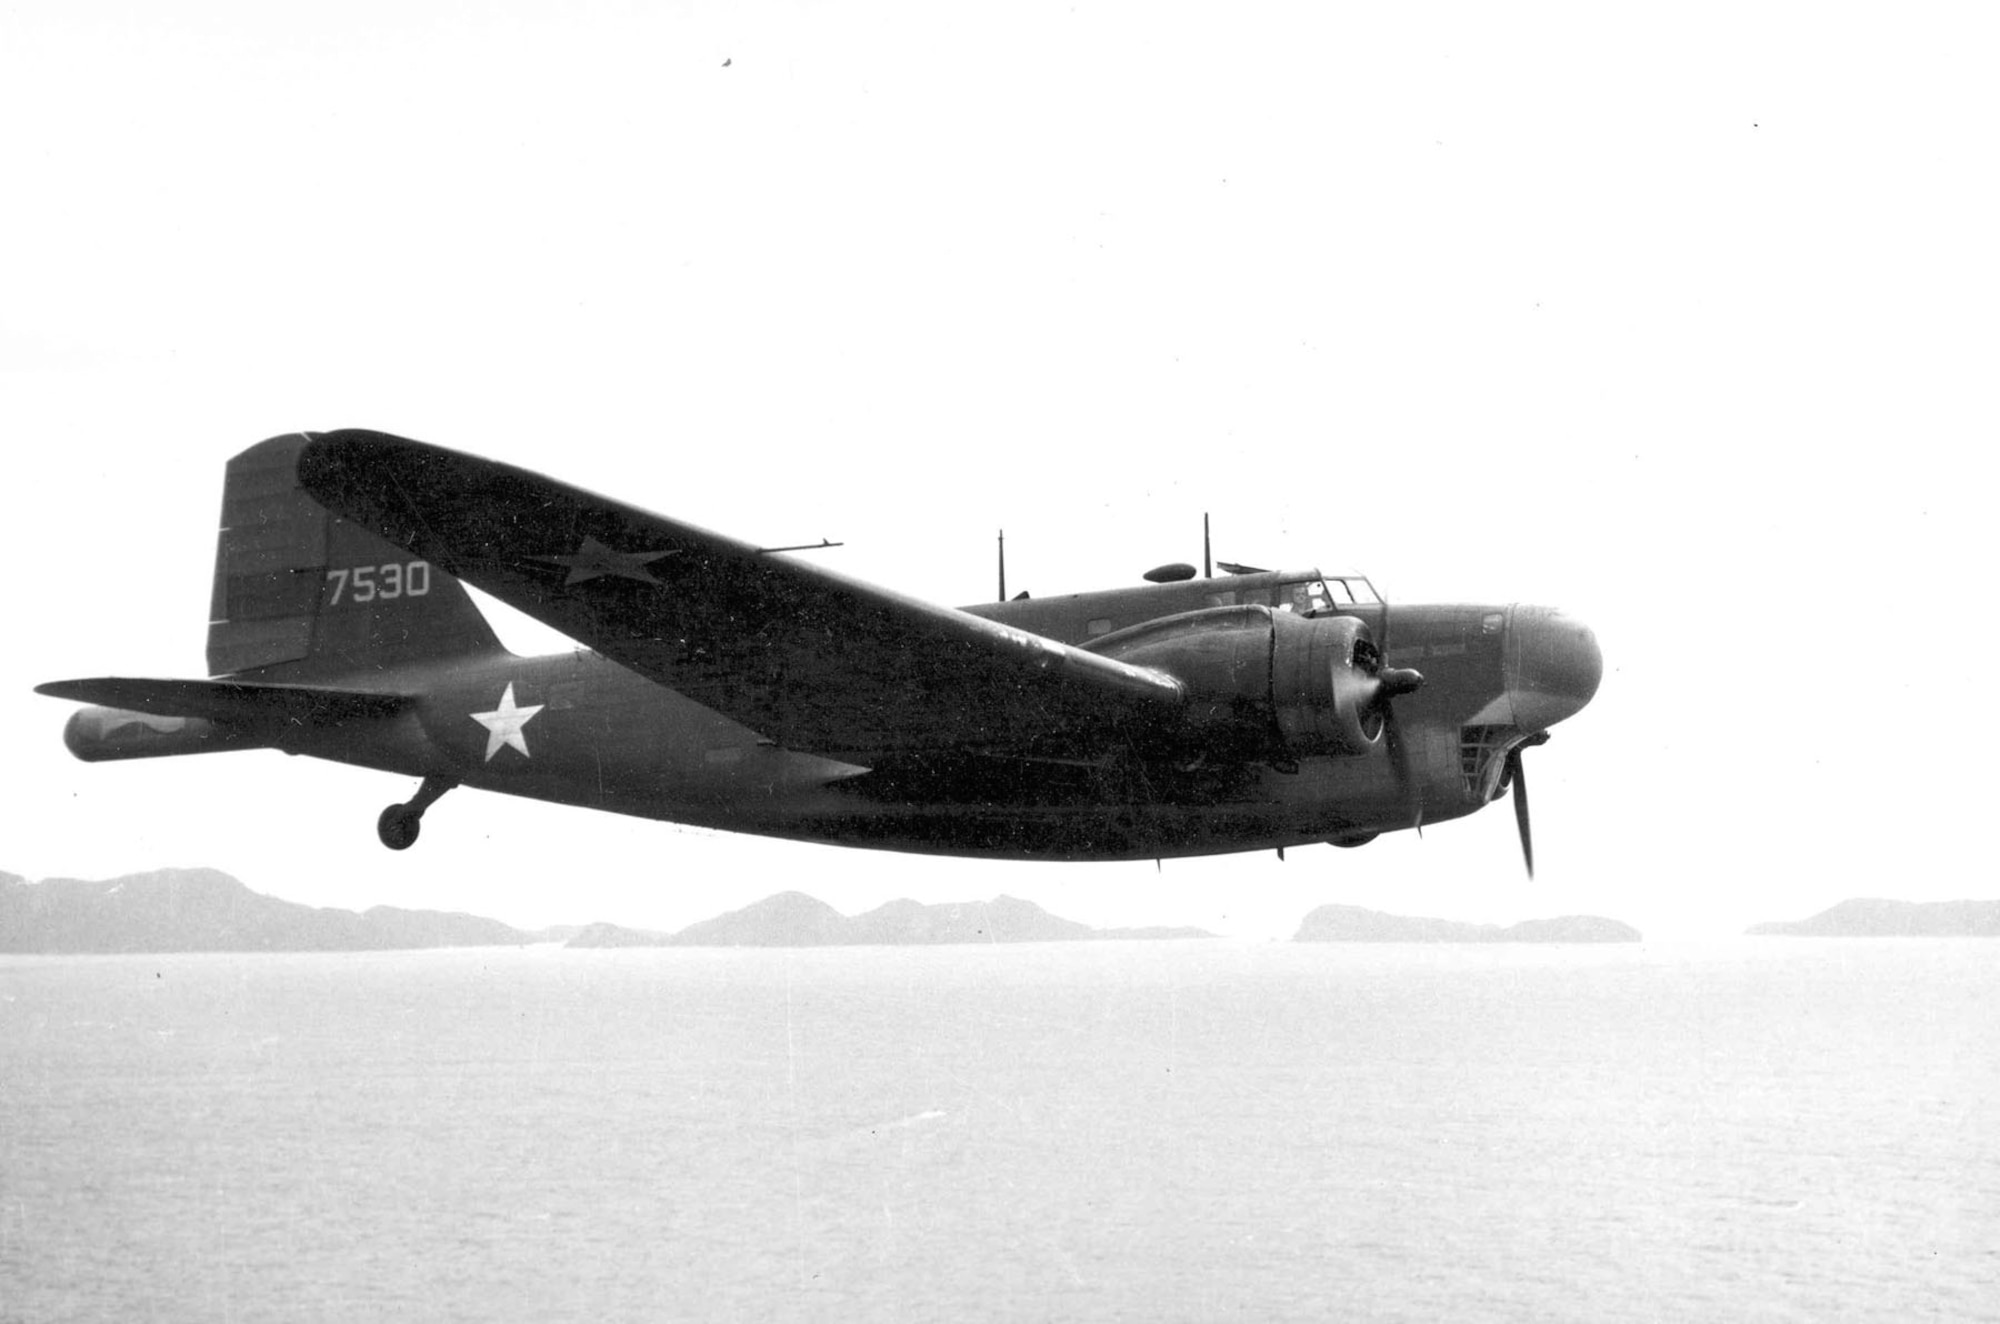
737	687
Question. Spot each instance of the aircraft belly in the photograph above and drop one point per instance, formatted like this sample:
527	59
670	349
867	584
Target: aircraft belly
1263	808
1130	832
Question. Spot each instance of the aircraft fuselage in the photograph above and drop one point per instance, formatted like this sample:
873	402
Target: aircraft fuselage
731	687
575	728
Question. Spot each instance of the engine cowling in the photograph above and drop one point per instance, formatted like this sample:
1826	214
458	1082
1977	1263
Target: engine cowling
1323	684
1262	681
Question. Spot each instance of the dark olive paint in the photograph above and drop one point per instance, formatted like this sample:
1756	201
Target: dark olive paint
731	688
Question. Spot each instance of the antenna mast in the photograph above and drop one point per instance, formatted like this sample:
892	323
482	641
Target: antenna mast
1003	565
1207	569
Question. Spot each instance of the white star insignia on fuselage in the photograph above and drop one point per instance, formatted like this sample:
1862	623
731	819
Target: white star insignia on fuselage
504	724
594	560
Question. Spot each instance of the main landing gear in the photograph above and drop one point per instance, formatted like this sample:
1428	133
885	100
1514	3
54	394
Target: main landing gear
399	824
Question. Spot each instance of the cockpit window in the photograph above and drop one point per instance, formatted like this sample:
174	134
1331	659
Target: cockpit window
1353	590
1319	596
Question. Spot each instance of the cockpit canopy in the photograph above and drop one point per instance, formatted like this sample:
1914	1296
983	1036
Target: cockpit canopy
1309	593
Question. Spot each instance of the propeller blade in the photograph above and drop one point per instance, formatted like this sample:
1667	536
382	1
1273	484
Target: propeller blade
1390	684
1399	756
1518	775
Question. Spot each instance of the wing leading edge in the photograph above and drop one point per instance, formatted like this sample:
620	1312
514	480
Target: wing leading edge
810	659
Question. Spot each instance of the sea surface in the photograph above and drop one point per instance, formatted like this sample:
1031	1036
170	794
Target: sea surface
1759	1129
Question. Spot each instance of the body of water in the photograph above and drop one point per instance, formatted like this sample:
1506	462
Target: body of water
1774	1129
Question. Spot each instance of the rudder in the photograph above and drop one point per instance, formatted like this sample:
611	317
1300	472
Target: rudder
302	593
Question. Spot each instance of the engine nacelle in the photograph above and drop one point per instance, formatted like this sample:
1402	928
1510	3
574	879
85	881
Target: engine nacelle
1262	681
1323	684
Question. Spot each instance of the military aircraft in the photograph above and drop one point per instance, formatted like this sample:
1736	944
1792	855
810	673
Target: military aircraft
738	687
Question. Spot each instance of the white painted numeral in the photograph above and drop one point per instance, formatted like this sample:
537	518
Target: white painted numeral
366	583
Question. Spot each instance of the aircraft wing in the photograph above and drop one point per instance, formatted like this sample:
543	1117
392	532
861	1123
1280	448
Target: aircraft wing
810	659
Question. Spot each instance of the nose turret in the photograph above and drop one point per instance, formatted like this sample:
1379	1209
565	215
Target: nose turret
1552	665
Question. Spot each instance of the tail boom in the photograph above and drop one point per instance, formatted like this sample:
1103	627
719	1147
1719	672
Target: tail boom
132	719
101	735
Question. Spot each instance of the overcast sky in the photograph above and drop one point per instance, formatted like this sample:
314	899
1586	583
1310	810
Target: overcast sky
1682	319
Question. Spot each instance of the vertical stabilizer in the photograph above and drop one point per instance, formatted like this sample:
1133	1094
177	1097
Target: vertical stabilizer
303	594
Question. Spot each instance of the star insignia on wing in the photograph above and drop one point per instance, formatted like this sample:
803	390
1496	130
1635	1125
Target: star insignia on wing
504	724
596	560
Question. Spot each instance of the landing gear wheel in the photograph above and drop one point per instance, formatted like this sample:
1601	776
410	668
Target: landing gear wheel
399	824
398	827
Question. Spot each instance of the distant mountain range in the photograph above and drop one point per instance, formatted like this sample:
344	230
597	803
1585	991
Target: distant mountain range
1867	917
793	919
1353	924
203	910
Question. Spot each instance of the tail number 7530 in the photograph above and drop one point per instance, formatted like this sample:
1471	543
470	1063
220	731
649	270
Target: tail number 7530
368	583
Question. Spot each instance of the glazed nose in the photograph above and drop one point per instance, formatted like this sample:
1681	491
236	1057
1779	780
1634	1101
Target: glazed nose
1553	666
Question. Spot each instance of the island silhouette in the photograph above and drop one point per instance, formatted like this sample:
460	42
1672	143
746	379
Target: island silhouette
205	910
793	919
1337	923
1872	917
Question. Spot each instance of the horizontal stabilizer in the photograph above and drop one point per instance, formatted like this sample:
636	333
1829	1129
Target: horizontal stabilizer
228	701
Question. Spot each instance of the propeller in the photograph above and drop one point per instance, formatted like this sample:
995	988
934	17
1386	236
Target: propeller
1517	775
1391	682
1399	759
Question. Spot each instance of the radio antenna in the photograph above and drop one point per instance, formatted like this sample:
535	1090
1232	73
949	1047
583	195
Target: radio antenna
821	545
1003	565
1207	569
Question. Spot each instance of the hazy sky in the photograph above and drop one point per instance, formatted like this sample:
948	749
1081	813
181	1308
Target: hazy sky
1683	320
